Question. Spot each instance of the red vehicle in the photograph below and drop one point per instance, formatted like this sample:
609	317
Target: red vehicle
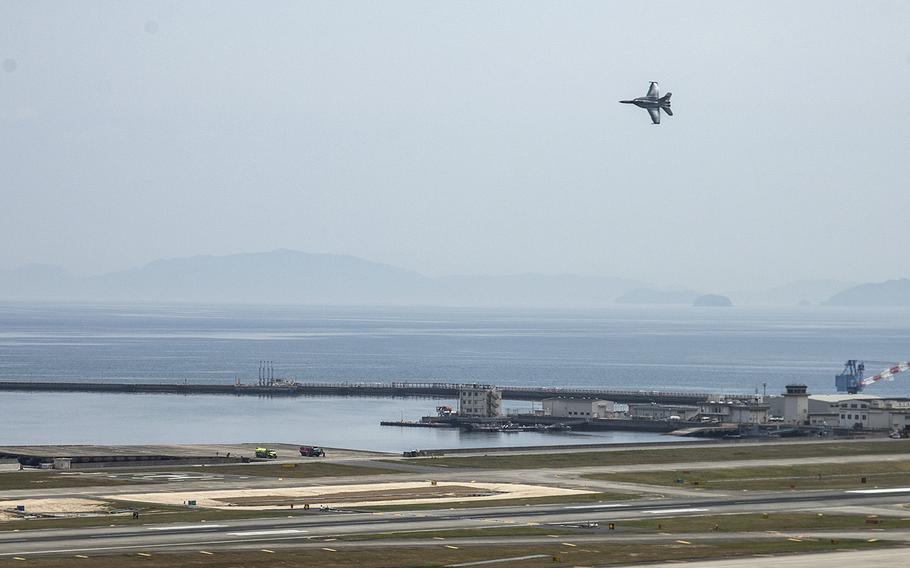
312	451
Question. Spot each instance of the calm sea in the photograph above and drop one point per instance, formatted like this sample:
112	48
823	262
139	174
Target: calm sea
710	350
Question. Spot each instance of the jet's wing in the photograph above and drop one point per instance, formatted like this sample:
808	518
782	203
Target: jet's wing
655	115
653	91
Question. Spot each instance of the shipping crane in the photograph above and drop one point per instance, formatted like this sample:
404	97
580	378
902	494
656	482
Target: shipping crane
852	381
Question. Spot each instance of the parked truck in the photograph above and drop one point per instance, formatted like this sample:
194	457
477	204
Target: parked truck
266	453
312	452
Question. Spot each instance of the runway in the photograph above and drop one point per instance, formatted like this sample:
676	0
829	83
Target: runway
313	530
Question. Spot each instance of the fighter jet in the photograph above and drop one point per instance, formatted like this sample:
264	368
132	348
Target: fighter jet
653	102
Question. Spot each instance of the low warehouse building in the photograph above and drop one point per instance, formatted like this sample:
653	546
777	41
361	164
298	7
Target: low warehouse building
734	411
654	411
859	411
579	408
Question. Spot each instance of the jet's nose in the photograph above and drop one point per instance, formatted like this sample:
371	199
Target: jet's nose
627	102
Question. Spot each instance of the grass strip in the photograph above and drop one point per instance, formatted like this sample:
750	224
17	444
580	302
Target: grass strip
42	479
667	455
147	516
800	477
751	522
601	554
291	470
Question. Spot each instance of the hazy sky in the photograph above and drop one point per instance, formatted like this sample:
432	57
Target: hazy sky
462	137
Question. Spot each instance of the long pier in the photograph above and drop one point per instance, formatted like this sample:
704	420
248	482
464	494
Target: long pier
390	390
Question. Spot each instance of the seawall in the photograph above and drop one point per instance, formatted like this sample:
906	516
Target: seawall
394	389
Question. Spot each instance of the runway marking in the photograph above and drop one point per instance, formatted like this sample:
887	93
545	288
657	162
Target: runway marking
185	527
81	556
683	542
596	506
495	560
567	544
146	554
330	550
874	491
206	552
452	547
659	511
267	532
147	546
267	551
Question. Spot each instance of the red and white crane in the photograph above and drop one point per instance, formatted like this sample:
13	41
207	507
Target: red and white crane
887	374
853	380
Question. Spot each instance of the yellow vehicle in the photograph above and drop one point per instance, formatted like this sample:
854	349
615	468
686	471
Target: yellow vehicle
266	453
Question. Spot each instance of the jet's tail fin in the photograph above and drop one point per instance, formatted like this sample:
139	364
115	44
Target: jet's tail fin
665	103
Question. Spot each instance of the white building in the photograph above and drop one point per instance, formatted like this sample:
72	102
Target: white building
826	409
654	411
859	411
889	414
479	400
579	408
734	411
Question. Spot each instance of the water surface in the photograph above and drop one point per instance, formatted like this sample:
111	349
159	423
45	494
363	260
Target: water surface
708	350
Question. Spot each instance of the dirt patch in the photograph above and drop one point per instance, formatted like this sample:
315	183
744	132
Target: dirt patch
431	491
62	507
374	494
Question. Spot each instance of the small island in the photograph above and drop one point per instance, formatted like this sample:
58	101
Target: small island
712	301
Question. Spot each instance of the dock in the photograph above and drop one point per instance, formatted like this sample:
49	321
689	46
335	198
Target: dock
415	424
356	389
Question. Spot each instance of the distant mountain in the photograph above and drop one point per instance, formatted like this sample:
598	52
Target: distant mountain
286	276
889	293
712	301
793	293
651	296
282	276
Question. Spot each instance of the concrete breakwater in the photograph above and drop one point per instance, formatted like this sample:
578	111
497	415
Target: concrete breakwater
392	389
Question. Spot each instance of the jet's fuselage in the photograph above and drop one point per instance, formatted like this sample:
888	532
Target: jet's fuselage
645	102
